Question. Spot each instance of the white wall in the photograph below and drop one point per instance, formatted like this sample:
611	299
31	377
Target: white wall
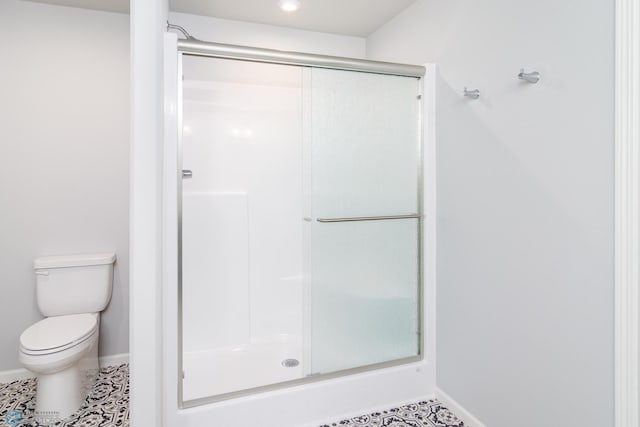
64	117
268	36
525	203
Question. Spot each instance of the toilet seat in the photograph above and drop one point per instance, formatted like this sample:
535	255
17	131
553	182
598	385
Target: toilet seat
58	333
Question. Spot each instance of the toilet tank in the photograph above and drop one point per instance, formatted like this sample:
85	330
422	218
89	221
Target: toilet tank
74	284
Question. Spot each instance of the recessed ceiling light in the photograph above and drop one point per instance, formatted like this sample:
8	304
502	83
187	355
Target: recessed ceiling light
289	5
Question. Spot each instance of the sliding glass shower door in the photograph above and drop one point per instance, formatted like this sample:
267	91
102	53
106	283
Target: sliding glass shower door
300	224
241	225
364	162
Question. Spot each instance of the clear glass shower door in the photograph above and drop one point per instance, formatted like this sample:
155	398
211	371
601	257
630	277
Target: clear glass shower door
362	141
241	226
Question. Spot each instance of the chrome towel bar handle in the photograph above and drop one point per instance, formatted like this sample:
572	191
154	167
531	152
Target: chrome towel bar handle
369	218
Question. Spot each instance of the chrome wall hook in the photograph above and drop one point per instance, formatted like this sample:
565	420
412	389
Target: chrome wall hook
473	94
532	77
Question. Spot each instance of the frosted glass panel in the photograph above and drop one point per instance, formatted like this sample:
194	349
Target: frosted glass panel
364	143
363	140
364	295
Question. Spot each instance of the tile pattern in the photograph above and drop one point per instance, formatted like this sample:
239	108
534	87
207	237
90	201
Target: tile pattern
429	413
106	406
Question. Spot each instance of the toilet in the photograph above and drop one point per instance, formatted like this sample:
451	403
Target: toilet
62	349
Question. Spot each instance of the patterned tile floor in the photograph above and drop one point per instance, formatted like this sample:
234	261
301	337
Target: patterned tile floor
429	413
106	406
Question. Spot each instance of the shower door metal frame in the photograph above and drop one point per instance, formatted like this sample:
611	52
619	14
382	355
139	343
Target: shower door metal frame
225	51
193	47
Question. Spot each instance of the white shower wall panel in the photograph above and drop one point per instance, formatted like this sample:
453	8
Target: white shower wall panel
215	252
242	140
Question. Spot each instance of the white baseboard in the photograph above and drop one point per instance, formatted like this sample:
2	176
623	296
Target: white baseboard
23	374
15	375
114	360
467	417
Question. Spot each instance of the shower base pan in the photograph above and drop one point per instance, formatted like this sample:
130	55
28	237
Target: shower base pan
224	370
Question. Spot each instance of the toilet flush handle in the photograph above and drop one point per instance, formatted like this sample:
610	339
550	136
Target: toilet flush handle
42	272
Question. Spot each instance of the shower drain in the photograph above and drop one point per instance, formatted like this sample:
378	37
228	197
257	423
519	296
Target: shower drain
290	363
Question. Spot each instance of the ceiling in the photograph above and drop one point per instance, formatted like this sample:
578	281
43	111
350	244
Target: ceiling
121	6
347	17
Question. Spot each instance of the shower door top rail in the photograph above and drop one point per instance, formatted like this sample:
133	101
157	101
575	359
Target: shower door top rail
219	50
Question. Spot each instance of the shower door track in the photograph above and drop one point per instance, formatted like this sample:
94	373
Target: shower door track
218	50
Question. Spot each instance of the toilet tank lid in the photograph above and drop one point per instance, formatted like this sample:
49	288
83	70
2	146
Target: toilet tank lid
80	260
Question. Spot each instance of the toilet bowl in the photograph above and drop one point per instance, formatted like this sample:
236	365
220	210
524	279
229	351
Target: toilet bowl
63	352
62	349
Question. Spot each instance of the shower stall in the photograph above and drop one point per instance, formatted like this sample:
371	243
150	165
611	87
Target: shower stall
300	221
